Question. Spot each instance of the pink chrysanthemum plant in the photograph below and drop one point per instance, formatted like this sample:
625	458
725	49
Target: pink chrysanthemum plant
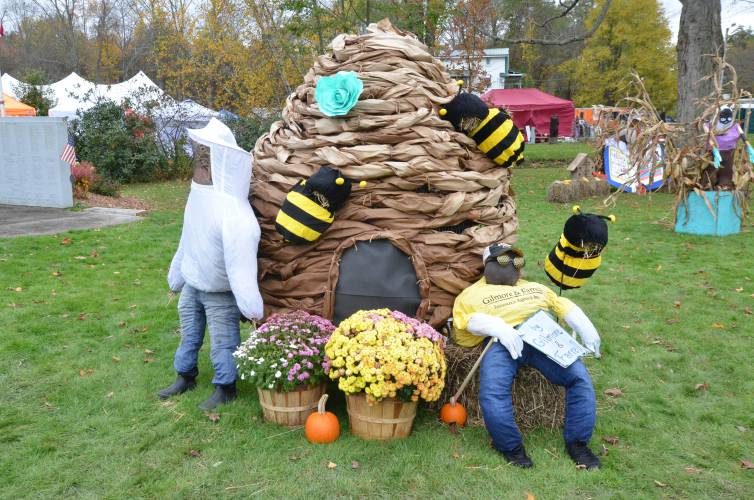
286	352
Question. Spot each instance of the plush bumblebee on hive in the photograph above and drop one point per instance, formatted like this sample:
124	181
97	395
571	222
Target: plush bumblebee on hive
309	207
577	254
492	129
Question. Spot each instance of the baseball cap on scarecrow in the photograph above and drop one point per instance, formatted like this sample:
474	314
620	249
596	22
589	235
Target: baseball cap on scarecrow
492	129
309	207
577	254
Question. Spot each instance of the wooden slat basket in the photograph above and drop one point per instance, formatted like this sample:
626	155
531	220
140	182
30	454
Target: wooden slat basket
386	419
290	408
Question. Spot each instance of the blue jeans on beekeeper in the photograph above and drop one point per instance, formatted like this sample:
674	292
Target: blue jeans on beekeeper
219	312
496	375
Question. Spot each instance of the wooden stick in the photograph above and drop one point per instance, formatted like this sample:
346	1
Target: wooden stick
471	372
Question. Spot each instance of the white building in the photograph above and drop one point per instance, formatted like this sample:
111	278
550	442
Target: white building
495	64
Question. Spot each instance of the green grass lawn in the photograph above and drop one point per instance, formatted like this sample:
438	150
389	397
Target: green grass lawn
544	153
88	334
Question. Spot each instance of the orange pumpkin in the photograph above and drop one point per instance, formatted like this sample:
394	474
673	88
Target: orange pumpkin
322	426
453	413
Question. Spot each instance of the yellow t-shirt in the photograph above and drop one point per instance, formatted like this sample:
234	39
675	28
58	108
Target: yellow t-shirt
514	304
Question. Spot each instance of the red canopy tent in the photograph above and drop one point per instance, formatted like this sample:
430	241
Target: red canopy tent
534	107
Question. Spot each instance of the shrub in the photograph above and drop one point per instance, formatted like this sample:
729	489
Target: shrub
83	178
120	142
105	187
31	93
248	129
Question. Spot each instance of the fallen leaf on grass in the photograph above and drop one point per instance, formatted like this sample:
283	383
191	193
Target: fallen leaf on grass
85	373
748	311
56	274
110	395
148	351
604	451
659	484
39	302
122	324
659	267
614	392
149	360
82	316
116	272
718	325
94	254
18	289
168	404
80	257
529	496
611	439
702	387
738	289
195	453
693	470
332	465
673	321
747	464
66	241
741	428
677	304
355	465
116	359
212	416
456	455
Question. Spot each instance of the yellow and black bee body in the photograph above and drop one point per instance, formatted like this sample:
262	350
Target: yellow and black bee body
492	129
309	207
577	255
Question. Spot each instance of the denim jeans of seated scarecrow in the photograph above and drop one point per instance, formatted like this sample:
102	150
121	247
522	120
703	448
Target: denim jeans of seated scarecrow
219	312
496	375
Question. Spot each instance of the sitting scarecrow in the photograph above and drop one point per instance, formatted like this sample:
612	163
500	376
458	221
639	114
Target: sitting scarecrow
492	307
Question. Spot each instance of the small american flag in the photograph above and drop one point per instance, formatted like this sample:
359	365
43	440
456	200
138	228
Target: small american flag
69	151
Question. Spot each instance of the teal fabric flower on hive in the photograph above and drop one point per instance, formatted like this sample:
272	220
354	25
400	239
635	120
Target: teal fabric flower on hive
336	95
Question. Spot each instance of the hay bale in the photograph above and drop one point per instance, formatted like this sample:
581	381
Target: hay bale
430	190
536	402
569	191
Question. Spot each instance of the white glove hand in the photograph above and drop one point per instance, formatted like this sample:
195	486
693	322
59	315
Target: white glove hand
577	320
485	325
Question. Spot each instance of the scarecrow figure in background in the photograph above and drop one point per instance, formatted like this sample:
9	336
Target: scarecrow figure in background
216	263
726	134
492	307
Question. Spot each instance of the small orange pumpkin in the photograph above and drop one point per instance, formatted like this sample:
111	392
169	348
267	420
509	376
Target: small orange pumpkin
453	413
322	426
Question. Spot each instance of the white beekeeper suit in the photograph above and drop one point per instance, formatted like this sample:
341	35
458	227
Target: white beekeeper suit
218	247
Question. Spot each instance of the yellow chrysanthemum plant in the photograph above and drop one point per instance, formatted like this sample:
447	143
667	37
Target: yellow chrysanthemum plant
387	354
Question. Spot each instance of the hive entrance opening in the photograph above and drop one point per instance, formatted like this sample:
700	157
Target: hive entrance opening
372	275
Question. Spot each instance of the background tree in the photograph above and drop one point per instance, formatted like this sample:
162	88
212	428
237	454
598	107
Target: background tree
740	53
633	36
699	35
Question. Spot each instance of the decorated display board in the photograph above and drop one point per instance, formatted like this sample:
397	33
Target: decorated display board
621	173
31	171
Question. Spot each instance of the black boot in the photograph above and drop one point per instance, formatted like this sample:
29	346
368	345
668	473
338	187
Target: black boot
222	395
582	455
182	384
517	456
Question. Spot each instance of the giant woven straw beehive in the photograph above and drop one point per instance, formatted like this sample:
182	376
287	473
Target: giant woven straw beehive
430	191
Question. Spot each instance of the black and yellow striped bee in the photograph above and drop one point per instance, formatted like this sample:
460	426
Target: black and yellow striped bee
577	255
309	207
492	129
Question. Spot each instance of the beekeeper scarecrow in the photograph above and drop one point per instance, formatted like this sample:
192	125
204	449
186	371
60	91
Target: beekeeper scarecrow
215	267
491	308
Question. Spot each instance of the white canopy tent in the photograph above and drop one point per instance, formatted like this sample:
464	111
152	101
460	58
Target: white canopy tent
75	93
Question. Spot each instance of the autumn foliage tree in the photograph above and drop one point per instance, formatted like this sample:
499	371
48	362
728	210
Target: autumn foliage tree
633	36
